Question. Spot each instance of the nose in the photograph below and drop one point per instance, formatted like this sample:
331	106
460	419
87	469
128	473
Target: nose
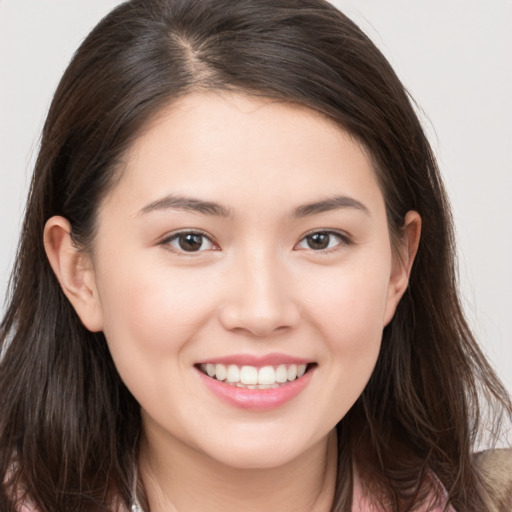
259	299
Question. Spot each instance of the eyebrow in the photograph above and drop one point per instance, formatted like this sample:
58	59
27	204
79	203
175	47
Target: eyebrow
188	204
194	205
329	204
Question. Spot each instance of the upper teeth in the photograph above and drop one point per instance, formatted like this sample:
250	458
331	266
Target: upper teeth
251	375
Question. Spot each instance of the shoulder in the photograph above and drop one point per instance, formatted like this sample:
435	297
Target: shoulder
495	468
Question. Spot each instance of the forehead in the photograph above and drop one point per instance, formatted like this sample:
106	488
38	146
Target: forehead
210	142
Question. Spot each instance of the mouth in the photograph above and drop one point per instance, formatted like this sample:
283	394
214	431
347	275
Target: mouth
255	377
256	383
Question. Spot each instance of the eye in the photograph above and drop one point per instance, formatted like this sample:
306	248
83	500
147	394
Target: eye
322	241
189	241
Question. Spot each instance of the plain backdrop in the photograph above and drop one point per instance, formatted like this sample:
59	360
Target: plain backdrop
455	58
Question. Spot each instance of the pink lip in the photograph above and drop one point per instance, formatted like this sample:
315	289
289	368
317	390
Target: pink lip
257	361
256	399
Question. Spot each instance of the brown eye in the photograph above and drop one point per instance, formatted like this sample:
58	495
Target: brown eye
190	242
318	241
322	240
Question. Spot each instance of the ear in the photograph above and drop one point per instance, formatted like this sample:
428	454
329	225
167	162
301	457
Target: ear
402	262
74	271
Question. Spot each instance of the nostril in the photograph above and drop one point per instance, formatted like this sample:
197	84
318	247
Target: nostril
257	323
260	309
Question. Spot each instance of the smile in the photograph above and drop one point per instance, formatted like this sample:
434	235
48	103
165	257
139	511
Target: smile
256	384
252	377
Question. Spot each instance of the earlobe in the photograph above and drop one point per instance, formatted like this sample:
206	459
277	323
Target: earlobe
74	271
402	262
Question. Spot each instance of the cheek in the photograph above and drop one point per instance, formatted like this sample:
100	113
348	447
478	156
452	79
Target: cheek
151	312
353	332
350	306
348	312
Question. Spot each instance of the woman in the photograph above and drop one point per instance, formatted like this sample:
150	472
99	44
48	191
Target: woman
235	284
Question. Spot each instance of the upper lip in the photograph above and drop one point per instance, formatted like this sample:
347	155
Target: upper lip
256	360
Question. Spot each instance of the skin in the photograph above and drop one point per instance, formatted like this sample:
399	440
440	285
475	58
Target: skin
255	287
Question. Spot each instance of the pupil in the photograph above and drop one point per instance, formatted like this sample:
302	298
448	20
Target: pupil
318	241
191	242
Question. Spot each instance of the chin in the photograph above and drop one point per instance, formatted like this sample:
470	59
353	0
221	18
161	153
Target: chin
257	452
254	459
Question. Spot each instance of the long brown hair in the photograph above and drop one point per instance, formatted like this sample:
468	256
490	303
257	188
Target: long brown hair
69	428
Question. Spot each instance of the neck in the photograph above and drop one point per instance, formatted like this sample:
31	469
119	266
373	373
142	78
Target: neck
177	478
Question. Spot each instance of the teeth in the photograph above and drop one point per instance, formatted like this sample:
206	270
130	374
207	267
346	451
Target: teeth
255	378
233	374
281	373
220	372
249	375
292	372
266	375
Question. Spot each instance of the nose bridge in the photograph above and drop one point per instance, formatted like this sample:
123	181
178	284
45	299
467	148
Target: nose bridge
259	298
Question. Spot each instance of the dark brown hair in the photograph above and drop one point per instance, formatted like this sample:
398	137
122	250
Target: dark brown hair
69	428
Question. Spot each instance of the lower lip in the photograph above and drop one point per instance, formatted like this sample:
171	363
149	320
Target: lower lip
256	399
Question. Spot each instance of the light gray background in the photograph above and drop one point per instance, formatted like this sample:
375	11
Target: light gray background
454	56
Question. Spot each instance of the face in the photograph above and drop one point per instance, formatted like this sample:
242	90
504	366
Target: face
243	274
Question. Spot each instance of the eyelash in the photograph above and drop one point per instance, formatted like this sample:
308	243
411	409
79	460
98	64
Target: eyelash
342	240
